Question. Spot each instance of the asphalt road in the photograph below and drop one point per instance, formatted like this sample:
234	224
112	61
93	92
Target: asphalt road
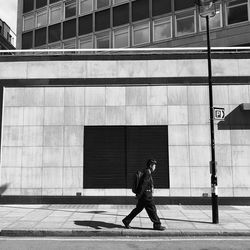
124	243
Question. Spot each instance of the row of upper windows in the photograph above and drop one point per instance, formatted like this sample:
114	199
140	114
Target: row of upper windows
139	33
30	5
186	18
120	37
235	10
57	13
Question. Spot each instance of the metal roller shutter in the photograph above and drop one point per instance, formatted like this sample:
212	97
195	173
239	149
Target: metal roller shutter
104	157
148	142
112	154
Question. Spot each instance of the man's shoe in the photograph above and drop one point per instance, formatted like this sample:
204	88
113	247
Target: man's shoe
126	224
160	228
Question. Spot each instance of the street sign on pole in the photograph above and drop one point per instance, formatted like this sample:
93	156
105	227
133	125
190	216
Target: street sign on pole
219	114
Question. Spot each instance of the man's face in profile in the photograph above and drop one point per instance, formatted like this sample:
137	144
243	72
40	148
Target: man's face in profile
153	167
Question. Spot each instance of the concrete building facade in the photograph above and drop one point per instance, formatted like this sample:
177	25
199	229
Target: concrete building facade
51	103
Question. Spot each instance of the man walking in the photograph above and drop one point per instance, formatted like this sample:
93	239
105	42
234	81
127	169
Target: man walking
145	198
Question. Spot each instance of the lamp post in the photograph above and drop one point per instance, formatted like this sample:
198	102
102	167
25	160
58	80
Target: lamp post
207	9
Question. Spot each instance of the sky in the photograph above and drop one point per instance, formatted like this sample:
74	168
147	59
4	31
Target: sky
8	13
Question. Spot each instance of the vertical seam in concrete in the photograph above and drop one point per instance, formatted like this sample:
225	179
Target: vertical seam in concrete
1	142
84	103
42	167
63	139
21	186
188	124
231	147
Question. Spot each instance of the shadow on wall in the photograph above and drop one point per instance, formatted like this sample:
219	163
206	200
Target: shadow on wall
239	118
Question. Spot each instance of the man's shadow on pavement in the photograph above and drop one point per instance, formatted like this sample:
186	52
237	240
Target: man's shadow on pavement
101	225
97	224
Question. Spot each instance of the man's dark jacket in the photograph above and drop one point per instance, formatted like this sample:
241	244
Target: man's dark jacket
146	186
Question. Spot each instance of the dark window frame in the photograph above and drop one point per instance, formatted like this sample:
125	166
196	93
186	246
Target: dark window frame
103	20
32	37
119	20
157	9
44	3
81	26
51	31
137	13
66	28
27	7
43	31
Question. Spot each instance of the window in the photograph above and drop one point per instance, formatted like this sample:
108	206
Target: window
53	1
70	45
69	29
9	37
102	4
86	42
27	40
70	8
237	11
54	33
119	1
140	10
162	28
185	23
121	15
103	40
85	24
141	33
40	37
121	38
214	22
102	20
55	46
41	18
86	6
183	4
160	7
28	22
55	14
40	3
28	5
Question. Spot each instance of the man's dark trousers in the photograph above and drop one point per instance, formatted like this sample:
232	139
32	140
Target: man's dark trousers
149	205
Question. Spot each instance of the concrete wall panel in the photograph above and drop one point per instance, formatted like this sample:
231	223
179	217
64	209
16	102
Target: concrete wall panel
115	96
115	115
178	135
33	116
32	157
74	96
177	95
136	115
157	115
54	97
157	95
13	116
33	97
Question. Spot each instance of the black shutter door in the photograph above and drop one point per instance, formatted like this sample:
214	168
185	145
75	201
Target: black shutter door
146	142
104	157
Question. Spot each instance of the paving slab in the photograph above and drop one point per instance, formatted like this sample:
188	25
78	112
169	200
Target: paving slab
106	220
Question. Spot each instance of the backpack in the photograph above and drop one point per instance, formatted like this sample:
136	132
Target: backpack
136	181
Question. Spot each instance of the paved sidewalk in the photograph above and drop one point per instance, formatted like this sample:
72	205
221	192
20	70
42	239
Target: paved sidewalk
105	220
